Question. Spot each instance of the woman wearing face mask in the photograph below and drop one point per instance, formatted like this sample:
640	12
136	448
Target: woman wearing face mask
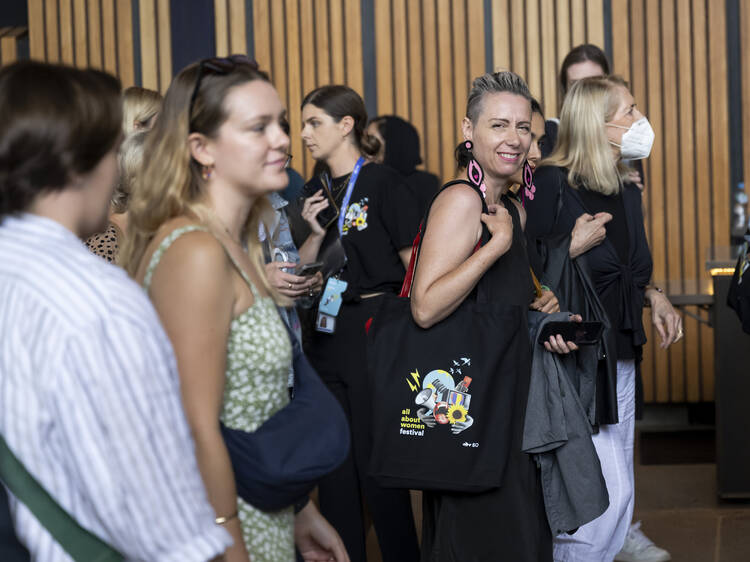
580	189
218	150
374	215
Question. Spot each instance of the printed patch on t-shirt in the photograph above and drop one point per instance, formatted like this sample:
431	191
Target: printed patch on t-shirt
356	216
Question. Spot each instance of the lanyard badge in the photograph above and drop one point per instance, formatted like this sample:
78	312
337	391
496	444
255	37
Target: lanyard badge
330	305
330	300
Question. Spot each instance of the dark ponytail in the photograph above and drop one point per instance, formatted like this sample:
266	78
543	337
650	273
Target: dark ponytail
339	101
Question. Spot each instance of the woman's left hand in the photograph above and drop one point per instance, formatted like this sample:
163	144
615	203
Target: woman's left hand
556	344
547	302
317	284
316	540
666	320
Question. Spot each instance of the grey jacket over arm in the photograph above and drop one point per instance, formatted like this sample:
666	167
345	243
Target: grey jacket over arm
557	433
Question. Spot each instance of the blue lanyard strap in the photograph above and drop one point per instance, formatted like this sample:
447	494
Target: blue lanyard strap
348	194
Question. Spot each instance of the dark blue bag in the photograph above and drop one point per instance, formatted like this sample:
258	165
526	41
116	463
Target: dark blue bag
282	461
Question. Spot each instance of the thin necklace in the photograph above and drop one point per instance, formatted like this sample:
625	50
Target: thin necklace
226	230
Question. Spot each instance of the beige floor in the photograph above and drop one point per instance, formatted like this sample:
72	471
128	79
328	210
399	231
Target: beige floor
680	512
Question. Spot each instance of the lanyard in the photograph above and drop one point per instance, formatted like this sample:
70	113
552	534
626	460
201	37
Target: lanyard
348	194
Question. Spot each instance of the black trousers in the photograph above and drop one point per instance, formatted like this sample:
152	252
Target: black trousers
340	359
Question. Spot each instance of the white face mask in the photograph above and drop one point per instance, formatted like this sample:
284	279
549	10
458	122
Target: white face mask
637	140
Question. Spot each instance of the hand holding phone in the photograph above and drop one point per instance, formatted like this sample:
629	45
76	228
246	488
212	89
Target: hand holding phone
580	333
308	269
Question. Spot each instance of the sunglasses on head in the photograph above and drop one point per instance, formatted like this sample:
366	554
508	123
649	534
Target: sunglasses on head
220	66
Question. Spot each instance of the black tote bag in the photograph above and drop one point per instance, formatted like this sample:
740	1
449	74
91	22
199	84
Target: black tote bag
443	397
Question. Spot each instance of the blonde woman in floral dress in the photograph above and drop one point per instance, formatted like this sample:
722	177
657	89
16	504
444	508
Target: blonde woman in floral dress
216	151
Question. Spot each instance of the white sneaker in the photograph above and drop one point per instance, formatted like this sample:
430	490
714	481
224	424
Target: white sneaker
639	548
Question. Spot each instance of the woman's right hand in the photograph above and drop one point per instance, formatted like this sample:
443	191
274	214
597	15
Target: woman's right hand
500	225
588	232
310	209
288	284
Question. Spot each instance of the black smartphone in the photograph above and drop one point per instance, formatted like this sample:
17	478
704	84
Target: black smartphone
305	269
327	216
580	333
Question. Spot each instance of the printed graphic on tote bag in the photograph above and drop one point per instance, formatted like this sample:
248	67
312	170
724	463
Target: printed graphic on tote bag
441	401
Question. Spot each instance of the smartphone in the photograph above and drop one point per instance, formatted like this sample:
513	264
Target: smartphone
580	333
307	269
330	214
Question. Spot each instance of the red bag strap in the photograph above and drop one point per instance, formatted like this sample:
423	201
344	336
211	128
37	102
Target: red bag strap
409	277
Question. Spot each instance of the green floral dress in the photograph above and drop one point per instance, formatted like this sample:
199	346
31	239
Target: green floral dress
259	357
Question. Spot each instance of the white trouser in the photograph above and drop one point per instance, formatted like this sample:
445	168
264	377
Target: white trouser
601	539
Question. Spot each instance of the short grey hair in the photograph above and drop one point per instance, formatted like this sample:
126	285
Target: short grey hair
493	83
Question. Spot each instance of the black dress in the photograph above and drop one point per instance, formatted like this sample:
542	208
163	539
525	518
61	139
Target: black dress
508	523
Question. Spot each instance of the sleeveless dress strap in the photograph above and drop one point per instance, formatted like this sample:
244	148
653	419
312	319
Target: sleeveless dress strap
169	240
163	247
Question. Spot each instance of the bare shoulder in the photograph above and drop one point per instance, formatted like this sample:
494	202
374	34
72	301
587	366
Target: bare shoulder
194	258
454	224
461	198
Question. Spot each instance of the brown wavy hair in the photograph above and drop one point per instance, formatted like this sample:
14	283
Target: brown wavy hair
170	182
339	101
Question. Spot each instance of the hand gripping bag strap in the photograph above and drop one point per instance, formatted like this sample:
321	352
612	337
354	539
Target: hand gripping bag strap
417	244
80	544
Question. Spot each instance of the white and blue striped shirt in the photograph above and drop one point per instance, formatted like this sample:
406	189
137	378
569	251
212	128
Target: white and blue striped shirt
90	401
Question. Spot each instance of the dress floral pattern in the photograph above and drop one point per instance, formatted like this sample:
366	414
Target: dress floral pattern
259	356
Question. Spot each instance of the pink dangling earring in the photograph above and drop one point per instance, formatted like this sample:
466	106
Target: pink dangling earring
529	188
474	171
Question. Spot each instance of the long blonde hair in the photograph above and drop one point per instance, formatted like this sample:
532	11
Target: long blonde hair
582	145
139	105
170	184
130	161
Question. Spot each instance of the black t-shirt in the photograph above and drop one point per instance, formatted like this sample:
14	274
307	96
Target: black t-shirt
382	218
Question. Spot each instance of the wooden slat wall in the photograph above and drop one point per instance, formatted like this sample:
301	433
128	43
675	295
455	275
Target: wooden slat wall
531	38
673	53
302	44
426	55
100	34
9	39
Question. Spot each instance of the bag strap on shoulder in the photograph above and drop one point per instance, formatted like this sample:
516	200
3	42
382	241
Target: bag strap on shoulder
80	544
417	244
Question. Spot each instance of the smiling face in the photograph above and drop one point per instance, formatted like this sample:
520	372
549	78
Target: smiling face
501	134
250	148
322	135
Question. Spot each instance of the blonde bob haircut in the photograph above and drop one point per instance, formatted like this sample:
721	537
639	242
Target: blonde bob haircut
170	184
582	144
139	105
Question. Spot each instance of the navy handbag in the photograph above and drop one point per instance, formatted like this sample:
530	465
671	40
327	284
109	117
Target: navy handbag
282	461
